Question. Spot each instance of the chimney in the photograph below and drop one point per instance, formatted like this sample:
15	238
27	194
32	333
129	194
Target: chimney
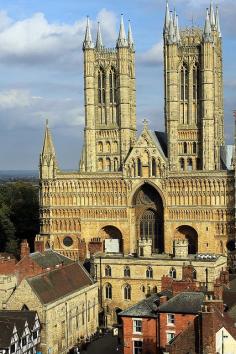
24	249
163	299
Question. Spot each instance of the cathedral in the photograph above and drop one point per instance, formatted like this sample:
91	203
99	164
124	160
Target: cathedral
151	193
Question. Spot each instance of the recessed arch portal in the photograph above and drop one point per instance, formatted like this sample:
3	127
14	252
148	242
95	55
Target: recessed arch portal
148	206
189	233
110	232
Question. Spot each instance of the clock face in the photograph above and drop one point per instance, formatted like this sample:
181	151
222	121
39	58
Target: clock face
67	241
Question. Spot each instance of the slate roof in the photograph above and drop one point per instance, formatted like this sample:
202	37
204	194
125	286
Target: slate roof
59	282
186	302
50	258
9	319
162	138
147	307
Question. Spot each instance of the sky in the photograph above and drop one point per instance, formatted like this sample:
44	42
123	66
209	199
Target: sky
41	69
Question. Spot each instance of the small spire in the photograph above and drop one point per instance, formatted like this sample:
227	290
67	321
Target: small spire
122	41
175	19
88	42
177	30
167	18
207	29
218	22
130	37
212	15
99	43
48	147
172	32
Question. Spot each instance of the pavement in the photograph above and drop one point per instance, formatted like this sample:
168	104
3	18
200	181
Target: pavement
104	345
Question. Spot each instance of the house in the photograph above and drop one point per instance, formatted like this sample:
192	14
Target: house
19	332
66	299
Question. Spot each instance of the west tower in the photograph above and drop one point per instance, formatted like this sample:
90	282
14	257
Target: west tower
193	93
110	102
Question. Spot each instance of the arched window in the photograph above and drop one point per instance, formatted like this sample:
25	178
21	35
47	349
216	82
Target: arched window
148	224
108	291
184	82
100	146
149	273
112	80
154	167
189	164
194	274
139	165
143	289
194	147
115	164
101	87
127	272
181	164
108	146
115	146
108	164
100	164
172	273
127	292
185	148
196	82
154	290
108	271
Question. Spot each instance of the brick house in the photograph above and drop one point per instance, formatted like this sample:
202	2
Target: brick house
66	300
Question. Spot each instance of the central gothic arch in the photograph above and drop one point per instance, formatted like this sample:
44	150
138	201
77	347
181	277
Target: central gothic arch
149	216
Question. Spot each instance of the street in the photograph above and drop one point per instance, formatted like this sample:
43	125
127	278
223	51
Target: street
104	345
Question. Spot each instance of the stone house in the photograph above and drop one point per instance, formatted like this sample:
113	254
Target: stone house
66	300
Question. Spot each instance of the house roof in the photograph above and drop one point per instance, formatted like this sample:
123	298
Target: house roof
50	258
59	282
147	307
186	302
9	319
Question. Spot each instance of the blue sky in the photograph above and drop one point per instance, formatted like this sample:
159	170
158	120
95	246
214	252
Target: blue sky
41	68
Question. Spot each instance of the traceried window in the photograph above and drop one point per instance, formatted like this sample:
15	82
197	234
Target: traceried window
149	273
127	272
108	291
127	292
148	224
196	83
101	87
108	271
112	80
184	82
172	273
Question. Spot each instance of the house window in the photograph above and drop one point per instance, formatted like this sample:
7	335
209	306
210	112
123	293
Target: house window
35	335
172	273
138	347
127	272
170	336
108	291
170	318
108	271
149	273
13	348
127	292
137	326
23	341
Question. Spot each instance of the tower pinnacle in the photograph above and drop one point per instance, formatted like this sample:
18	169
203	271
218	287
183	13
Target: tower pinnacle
99	42
212	15
130	37
122	41
207	29
48	147
218	22
88	42
167	18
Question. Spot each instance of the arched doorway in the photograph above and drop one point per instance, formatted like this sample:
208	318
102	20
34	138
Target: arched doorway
149	216
111	233
189	233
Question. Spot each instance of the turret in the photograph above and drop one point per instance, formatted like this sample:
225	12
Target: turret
130	37
122	41
218	22
207	35
48	163
99	42
167	19
212	15
88	42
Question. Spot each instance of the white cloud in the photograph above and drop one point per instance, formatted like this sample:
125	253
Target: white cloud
153	56
12	99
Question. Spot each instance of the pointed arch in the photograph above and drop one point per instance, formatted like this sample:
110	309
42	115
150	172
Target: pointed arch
101	86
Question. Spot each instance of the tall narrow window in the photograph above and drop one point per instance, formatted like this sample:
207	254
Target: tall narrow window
139	163
181	163
149	273
195	82
127	292
184	83
101	87
112	80
194	147
154	167
185	148
127	272
190	165
108	291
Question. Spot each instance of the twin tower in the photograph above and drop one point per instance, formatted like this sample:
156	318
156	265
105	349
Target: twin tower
193	90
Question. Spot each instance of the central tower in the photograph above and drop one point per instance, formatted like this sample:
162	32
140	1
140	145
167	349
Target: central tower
110	102
193	93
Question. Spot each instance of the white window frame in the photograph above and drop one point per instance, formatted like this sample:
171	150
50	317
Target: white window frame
167	333
170	319
134	326
137	340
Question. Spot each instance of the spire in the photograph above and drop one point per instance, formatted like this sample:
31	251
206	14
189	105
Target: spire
218	22
121	41
130	37
207	29
99	43
88	43
172	32
175	19
167	18
212	15
177	30
48	147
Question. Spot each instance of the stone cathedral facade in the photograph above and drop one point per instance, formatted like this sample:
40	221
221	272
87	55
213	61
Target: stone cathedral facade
159	186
